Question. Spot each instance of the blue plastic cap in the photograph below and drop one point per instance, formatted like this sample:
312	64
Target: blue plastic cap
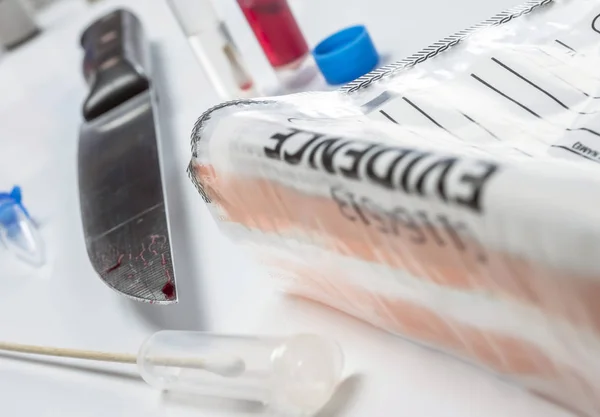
8	216
346	55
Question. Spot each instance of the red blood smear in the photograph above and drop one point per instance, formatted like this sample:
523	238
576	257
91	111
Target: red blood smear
246	86
115	266
169	290
276	29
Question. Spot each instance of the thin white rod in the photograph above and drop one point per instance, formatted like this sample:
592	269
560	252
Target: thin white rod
69	353
99	356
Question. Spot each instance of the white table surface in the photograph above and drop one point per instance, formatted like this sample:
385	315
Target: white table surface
66	304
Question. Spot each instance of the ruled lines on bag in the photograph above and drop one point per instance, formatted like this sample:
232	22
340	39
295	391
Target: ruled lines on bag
528	99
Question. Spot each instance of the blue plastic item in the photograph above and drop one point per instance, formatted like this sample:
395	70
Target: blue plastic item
8	217
18	232
346	55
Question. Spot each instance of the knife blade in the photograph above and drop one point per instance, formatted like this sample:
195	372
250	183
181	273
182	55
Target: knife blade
123	210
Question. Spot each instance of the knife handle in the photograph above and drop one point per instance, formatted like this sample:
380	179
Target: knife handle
115	63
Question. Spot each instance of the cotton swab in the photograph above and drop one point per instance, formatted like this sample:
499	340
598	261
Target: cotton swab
297	374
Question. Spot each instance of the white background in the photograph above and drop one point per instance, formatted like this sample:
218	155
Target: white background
66	304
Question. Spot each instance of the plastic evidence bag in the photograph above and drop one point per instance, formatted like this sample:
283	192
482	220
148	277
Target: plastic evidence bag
452	198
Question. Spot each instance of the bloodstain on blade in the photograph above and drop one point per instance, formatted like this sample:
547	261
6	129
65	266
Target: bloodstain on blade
116	265
141	255
146	267
169	289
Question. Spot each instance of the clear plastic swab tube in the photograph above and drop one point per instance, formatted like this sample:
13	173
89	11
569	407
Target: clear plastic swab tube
294	375
213	46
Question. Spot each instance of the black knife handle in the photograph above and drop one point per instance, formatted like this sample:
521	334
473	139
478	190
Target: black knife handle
115	63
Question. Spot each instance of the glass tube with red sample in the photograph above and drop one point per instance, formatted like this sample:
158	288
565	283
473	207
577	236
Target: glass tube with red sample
281	39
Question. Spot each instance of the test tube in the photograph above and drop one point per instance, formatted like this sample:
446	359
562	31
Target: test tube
281	39
213	46
296	375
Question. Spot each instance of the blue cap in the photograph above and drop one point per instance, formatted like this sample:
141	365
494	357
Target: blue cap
8	216
346	55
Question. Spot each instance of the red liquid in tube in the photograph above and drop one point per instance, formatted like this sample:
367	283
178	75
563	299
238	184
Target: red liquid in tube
277	31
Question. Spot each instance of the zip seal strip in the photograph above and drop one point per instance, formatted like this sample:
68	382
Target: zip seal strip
441	46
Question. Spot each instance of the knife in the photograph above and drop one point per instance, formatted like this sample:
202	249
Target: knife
123	210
